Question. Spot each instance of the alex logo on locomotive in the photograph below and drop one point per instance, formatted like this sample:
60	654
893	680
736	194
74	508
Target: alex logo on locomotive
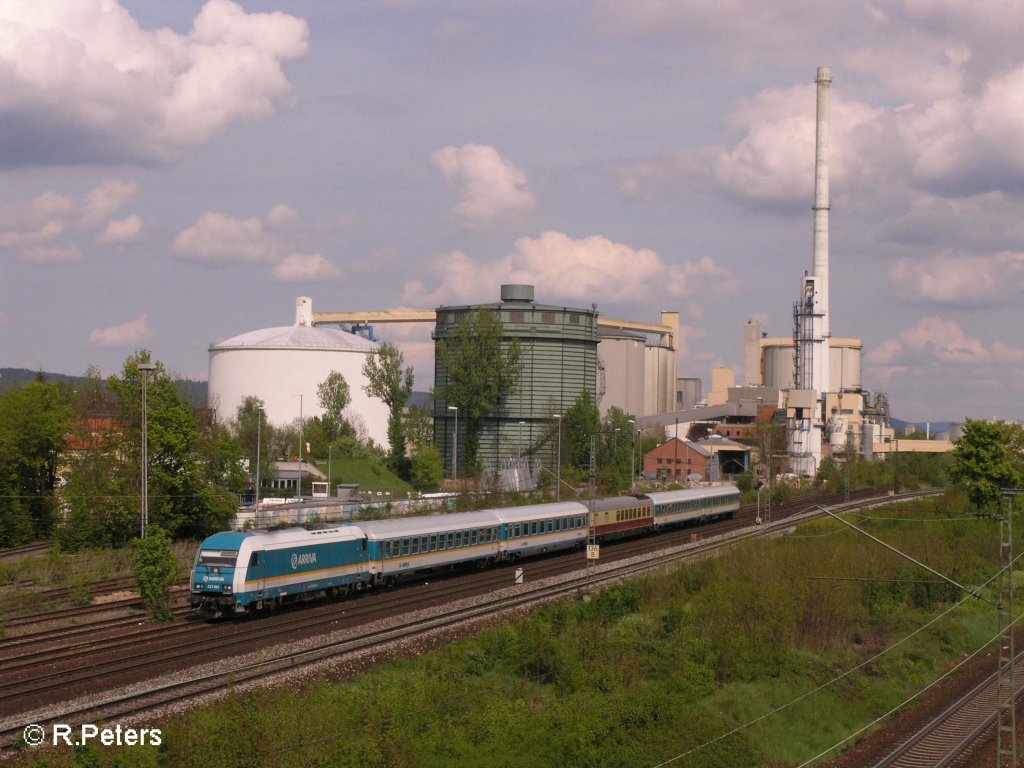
305	558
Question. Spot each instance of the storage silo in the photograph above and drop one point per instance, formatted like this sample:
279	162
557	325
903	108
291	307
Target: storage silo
279	364
622	355
559	359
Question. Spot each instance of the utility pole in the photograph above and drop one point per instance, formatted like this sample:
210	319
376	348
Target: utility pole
144	369
1006	714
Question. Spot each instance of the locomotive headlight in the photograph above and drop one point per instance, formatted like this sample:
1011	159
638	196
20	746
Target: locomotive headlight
227	587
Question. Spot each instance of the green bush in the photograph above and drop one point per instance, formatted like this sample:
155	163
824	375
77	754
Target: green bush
156	567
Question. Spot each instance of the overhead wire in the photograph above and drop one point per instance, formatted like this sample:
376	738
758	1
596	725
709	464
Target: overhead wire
842	676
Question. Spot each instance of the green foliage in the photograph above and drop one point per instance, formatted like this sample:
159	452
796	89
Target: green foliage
189	469
155	567
581	421
419	428
334	396
986	459
255	435
33	423
427	468
482	371
391	384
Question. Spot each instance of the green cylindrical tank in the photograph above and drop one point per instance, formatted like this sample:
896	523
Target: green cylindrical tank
559	360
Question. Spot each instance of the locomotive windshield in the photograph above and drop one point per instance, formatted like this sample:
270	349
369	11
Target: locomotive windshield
218	556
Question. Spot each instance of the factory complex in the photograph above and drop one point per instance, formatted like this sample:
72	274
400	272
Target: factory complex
808	380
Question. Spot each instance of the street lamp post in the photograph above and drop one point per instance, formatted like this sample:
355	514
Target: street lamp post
259	430
632	455
145	368
302	435
558	484
455	447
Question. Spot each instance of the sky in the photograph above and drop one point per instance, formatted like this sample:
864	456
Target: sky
175	174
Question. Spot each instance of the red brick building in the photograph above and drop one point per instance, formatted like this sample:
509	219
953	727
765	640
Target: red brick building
676	459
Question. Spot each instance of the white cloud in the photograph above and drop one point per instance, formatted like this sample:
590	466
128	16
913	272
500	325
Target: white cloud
218	238
121	231
42	219
492	188
589	269
127	334
932	340
959	280
302	268
52	254
283	217
103	201
774	161
82	82
42	229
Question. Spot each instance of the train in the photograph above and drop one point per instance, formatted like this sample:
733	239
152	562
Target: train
242	572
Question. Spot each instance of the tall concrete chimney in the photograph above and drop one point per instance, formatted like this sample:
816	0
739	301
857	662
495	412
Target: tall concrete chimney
807	417
821	199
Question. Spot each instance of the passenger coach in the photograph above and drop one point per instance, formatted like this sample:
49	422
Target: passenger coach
406	545
694	504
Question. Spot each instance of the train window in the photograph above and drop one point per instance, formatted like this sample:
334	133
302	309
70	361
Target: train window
218	557
550	526
533	528
458	538
451	541
414	547
405	547
425	544
254	559
433	543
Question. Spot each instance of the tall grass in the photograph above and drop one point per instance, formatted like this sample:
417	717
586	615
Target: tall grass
22	581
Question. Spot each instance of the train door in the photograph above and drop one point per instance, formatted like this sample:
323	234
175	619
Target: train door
256	577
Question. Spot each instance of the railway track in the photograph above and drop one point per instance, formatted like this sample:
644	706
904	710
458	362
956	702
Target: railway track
957	731
28	684
26	550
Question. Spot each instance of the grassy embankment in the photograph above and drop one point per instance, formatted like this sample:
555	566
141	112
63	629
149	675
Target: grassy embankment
23	580
641	673
370	475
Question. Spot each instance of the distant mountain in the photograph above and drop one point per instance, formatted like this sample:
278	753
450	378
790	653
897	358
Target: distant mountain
193	392
12	377
934	426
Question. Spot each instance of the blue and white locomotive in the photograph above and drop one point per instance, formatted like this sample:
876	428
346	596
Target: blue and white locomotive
239	572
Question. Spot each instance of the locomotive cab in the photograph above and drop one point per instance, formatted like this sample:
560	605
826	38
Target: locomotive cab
213	576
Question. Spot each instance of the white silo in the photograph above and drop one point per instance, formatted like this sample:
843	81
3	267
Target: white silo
279	364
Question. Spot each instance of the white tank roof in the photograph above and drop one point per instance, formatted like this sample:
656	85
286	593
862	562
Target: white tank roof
302	335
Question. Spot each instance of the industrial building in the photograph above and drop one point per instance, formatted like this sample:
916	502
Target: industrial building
623	363
284	366
559	361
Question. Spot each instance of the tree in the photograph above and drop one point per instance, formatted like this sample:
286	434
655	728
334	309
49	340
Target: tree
389	383
427	468
186	493
256	436
34	421
984	462
581	421
419	428
155	567
482	371
614	445
335	397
